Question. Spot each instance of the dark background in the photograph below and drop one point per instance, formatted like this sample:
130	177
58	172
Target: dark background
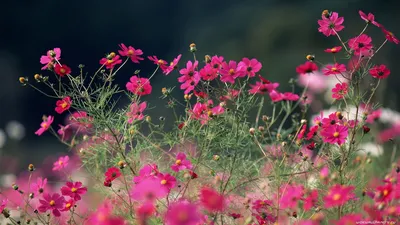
278	33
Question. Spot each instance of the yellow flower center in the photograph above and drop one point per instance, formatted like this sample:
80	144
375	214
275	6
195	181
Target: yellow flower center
231	71
385	192
334	69
74	190
64	105
130	52
52	202
101	217
110	61
60	162
178	162
183	216
333	49
68	205
62	70
163	182
160	61
336	197
336	134
45	125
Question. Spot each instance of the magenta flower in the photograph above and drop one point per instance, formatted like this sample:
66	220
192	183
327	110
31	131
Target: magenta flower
54	202
310	200
275	96
216	62
250	67
68	205
190	77
290	195
182	212
148	190
333	50
45	125
208	73
200	112
379	71
112	173
139	86
349	219
136	112
50	57
338	195
150	170
339	91
111	63
167	181
3	204
370	18
40	186
160	62
73	190
80	121
360	44
229	72
390	36
181	163
64	132
212	200
173	65
306	68
334	69
289	96
63	105
334	134
330	25
103	216
131	52
61	163
263	87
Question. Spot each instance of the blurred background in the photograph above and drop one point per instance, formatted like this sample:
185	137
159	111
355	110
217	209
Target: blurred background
279	33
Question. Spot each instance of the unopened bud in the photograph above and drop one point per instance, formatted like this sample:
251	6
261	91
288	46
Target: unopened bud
369	160
283	144
111	55
252	131
31	167
121	164
207	59
192	47
261	128
310	57
37	77
187	97
23	80
216	157
265	118
303	121
325	13
366	129
148	119
212	172
164	91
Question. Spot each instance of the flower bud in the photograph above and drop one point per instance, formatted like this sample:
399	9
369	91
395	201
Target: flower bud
121	164
265	118
369	160
23	80
283	144
187	97
37	77
207	59
148	119
6	213
164	91
212	172
303	121
216	157
111	55
366	129
132	131
252	131
31	167
192	47
325	13
310	57
261	128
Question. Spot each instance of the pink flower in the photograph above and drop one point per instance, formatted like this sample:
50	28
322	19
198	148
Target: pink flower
290	195
131	52
360	44
335	134
62	70
173	65
200	112
103	216
110	63
390	36
306	68
73	190
150	170
230	72
316	82
160	62
349	219
68	205
139	86
370	18
330	25
3	204
61	163
54	202
373	116
143	212
216	62
167	181
334	69
338	195
45	125
289	96
212	200
333	50
81	121
310	200
312	132
148	190
50	57
250	67
208	73
181	163
136	111
339	91
379	71
64	132
324	173
190	77
275	96
182	212
40	186
263	87
112	173
385	193
63	105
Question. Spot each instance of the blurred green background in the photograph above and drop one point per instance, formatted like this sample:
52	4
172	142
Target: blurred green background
278	33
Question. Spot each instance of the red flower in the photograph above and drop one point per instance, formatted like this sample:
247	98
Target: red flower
339	91
209	73
335	49
360	44
211	200
390	36
370	18
63	105
112	173
379	71
73	190
307	67
330	25
54	202
62	70
334	69
111	62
